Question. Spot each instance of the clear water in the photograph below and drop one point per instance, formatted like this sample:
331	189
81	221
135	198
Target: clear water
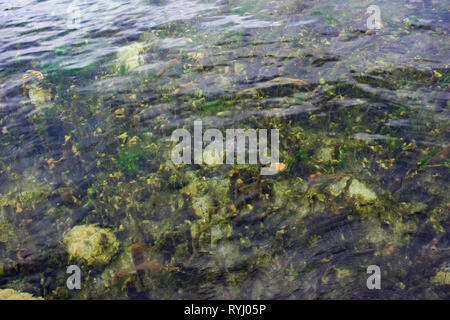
364	138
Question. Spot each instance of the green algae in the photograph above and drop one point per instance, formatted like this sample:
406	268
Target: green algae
441	278
358	189
131	160
39	96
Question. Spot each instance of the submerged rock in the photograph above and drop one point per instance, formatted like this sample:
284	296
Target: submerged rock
11	294
441	278
203	206
337	188
67	195
325	154
95	245
130	58
220	231
39	96
359	190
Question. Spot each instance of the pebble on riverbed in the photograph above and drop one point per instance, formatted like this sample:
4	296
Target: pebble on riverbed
358	189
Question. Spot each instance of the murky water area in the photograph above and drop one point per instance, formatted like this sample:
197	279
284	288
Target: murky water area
91	92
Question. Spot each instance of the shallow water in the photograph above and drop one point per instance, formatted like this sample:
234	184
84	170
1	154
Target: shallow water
364	137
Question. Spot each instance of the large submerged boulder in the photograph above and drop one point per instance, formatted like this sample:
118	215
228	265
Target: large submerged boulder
11	294
95	245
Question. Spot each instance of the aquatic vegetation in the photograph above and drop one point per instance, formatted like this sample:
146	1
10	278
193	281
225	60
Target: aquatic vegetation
325	154
211	208
7	234
441	278
39	96
37	74
85	165
140	265
131	159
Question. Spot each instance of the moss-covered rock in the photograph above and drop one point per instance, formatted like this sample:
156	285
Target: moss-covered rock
11	294
338	187
441	278
359	190
39	96
325	154
130	58
90	243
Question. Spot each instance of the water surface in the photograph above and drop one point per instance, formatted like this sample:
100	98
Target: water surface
364	131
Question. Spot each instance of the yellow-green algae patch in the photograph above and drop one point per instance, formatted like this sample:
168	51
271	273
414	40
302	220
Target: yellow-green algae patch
130	58
11	294
441	278
6	230
337	188
39	96
93	244
325	154
358	189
